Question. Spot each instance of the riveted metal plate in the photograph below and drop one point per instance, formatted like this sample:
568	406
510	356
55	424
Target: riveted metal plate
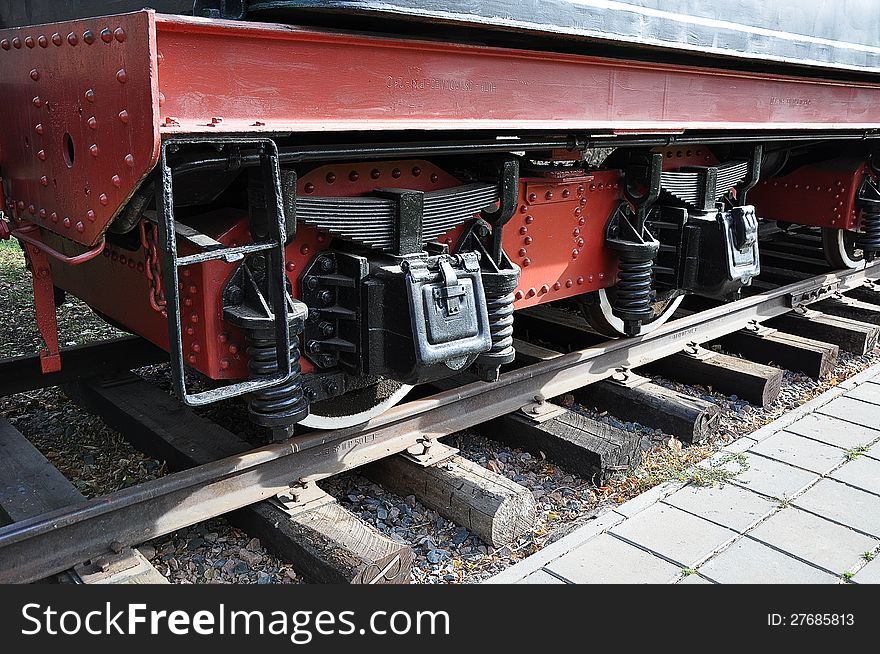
80	128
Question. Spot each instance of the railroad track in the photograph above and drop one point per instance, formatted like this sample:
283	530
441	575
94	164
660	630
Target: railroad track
274	487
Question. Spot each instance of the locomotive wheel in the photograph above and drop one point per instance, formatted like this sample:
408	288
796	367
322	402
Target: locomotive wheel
839	246
602	319
355	407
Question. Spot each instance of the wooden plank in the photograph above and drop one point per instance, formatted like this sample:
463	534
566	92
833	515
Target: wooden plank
31	486
811	265
558	325
782	275
789	351
591	449
530	353
758	383
850	335
869	293
489	505
330	545
688	418
848	307
23	373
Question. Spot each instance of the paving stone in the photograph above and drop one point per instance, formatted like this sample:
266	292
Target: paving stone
833	431
814	539
868	392
674	534
749	562
651	496
540	577
870	574
608	560
873	452
862	472
801	452
852	410
728	505
772	478
694	579
844	504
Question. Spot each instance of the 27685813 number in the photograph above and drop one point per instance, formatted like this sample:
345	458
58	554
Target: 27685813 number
811	620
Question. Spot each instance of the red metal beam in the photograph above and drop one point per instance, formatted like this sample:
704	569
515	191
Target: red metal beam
219	76
88	100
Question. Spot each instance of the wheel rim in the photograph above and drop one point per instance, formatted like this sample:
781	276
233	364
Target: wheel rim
320	418
601	317
839	248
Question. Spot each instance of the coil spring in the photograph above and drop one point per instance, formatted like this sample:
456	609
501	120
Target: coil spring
280	405
500	309
633	300
869	238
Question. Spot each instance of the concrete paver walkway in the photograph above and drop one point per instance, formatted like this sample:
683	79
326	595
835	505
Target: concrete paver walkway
803	507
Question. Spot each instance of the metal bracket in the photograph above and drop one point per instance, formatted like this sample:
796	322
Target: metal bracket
428	452
541	411
695	351
758	329
808	297
112	567
626	378
305	497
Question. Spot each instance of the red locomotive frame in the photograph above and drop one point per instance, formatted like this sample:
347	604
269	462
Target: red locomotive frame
91	101
147	76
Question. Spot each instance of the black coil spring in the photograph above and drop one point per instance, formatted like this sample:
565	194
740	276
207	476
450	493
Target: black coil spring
869	238
281	404
500	309
633	299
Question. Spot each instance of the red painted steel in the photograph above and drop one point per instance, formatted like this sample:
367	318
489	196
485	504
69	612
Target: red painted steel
229	76
44	307
109	82
557	236
821	194
80	128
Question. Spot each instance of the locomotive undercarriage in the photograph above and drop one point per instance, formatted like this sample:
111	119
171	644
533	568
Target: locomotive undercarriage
318	240
389	287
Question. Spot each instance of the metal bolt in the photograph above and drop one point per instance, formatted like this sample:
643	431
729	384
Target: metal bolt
116	547
313	347
234	295
326	264
326	298
327	329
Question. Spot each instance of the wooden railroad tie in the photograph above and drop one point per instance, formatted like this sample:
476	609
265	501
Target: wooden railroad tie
688	418
639	400
848	334
755	382
488	504
869	292
588	448
323	541
23	373
31	486
849	307
789	351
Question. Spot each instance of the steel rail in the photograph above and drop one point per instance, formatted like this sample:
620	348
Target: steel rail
35	548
